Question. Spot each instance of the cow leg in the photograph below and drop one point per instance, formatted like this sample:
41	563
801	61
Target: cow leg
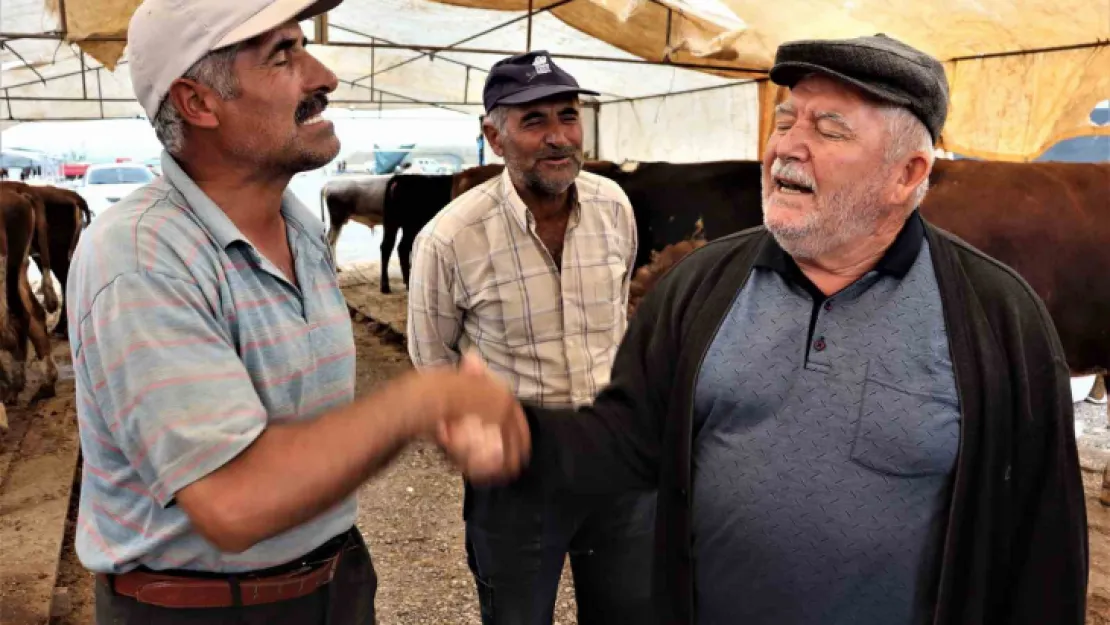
333	241
389	239
1098	392
404	252
41	341
42	246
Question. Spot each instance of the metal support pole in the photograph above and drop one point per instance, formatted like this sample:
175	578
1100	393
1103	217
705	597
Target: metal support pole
99	93
320	25
62	21
667	45
372	72
528	43
466	86
84	85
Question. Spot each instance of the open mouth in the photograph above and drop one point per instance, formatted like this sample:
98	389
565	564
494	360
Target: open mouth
792	186
311	111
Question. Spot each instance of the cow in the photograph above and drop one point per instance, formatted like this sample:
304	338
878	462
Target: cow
66	215
410	202
360	199
22	318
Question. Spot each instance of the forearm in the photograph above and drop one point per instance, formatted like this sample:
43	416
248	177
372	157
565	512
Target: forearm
294	472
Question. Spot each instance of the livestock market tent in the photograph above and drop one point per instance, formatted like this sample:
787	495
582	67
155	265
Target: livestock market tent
682	80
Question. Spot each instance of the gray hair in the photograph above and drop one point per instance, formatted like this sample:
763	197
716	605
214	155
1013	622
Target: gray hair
213	70
498	117
907	134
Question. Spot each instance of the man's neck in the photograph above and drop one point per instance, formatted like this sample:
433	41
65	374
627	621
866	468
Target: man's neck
542	206
838	268
251	201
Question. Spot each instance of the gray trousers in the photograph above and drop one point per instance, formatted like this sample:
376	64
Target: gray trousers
347	600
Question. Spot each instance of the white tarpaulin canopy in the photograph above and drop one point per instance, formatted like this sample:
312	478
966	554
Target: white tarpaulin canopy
1024	73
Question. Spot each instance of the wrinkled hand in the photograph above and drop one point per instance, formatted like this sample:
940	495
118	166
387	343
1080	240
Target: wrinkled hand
485	433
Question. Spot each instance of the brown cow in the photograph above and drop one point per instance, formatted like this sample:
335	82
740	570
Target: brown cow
67	214
22	318
40	243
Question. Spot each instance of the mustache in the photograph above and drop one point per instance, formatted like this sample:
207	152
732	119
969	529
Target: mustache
793	173
570	152
312	105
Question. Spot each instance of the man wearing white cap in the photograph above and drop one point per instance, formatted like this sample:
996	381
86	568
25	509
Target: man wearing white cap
213	353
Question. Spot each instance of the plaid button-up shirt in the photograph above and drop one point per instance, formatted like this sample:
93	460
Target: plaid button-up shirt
482	277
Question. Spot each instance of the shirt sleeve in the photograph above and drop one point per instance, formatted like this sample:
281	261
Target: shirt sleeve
167	378
434	318
634	247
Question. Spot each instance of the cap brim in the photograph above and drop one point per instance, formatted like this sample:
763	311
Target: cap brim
543	92
789	73
274	15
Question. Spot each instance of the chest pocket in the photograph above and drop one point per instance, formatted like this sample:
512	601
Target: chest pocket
905	433
602	286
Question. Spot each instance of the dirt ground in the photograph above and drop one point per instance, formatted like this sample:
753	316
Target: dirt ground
411	518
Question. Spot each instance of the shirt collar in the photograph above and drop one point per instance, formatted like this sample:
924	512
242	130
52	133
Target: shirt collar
520	210
216	221
896	261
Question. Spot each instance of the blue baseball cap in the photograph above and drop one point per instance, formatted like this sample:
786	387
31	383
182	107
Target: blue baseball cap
527	78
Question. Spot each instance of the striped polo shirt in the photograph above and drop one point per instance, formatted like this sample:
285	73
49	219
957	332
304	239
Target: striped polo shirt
186	343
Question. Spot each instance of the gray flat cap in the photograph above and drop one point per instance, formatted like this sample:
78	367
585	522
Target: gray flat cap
881	66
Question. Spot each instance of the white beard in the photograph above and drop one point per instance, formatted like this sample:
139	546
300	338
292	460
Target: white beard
851	214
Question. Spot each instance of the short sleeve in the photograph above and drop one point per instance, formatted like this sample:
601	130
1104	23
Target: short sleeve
168	380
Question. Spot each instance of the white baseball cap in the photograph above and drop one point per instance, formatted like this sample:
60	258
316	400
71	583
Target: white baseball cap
166	37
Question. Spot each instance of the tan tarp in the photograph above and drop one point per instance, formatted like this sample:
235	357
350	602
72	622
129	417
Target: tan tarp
1007	108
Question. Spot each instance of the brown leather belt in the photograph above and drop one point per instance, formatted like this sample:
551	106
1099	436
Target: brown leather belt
173	591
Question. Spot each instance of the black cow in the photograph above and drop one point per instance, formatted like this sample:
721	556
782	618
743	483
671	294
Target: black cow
410	202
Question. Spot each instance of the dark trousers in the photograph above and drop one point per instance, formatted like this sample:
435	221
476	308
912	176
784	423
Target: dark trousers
347	600
517	540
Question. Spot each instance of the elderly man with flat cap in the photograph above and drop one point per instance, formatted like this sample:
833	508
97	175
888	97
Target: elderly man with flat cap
852	417
532	269
213	352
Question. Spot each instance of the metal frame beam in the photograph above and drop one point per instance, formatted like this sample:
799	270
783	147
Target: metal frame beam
374	72
429	52
656	96
403	99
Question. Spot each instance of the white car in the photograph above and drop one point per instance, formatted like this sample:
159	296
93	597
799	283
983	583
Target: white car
105	184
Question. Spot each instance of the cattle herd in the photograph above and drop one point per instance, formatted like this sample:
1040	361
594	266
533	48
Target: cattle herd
1050	222
42	223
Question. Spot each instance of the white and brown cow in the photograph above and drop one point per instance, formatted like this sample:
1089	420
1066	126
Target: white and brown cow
359	199
22	317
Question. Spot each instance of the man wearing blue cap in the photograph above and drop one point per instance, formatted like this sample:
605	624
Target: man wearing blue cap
532	269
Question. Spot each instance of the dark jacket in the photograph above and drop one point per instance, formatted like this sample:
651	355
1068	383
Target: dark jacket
1015	549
